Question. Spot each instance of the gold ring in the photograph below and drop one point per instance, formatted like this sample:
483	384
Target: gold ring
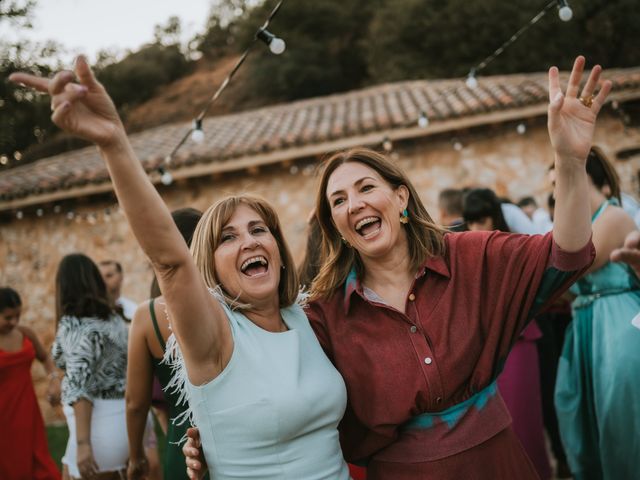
587	101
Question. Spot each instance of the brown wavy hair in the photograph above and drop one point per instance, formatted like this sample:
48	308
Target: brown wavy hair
425	237
207	238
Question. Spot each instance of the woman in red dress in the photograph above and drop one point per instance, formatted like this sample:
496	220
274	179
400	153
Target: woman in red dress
23	443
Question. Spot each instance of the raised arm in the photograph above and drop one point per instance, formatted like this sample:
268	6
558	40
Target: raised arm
86	110
571	122
139	385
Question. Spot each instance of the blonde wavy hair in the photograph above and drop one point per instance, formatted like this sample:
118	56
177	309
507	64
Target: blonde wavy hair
207	237
425	237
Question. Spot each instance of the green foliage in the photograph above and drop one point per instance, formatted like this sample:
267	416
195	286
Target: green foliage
137	77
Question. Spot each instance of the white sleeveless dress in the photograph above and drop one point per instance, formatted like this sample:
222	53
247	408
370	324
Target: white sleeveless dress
274	410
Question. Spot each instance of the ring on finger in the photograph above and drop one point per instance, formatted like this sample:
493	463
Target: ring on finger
586	101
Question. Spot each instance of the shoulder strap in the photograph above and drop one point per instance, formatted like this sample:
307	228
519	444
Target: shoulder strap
152	311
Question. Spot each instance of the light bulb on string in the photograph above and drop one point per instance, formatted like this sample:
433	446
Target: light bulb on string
387	144
457	145
70	215
197	135
564	11
39	212
165	176
57	209
472	81
276	45
521	129
423	120
19	215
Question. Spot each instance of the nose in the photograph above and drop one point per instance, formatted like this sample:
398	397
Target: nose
249	243
355	203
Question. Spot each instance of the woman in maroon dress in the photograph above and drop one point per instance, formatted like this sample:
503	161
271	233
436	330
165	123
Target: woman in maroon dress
24	454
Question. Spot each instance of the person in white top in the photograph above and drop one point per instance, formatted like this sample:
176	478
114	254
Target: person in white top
113	276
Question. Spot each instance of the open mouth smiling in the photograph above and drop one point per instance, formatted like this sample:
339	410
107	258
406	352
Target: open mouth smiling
254	266
368	226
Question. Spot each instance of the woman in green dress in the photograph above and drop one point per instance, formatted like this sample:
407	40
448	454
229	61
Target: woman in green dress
598	385
147	339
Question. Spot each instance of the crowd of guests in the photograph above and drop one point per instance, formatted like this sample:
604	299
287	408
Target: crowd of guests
414	351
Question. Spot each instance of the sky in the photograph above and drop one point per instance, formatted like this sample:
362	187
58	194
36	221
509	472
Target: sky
87	26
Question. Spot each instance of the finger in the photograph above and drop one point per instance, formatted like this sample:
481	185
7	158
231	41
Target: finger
84	72
32	81
554	83
72	92
592	82
190	473
632	240
59	81
60	112
575	77
598	102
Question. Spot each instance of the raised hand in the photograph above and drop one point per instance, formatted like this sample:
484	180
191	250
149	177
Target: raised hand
572	116
630	252
82	108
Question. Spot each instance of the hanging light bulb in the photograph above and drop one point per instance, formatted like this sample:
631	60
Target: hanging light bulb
197	135
276	45
57	209
472	81
457	145
564	11
39	212
165	176
387	144
521	129
19	215
70	215
423	120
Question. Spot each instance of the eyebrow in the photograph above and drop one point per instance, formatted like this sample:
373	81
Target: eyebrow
357	182
252	223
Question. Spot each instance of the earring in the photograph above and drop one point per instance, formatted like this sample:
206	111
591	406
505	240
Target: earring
404	217
283	267
344	240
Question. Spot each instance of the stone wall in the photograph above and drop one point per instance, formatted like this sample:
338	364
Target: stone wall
514	165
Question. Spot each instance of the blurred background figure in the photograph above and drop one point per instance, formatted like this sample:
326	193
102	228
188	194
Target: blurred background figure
597	391
91	347
149	332
450	207
24	453
113	276
519	382
538	215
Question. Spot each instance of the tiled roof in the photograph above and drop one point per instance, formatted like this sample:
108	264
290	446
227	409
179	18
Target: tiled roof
289	127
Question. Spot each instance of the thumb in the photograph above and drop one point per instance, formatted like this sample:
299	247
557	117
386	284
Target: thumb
556	103
83	72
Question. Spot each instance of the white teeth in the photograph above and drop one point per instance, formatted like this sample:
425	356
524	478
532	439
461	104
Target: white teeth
366	221
251	260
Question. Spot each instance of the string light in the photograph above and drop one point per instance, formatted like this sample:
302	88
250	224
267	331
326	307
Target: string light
165	176
197	135
472	81
387	144
521	129
564	11
457	145
39	212
19	215
276	45
423	120
471	77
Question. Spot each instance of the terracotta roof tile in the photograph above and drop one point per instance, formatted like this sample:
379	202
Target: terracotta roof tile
307	122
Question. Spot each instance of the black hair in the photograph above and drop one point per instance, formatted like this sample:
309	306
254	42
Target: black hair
450	200
186	219
80	289
526	201
602	173
480	203
9	298
111	262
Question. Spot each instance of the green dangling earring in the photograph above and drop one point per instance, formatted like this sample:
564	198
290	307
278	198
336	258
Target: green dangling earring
404	217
